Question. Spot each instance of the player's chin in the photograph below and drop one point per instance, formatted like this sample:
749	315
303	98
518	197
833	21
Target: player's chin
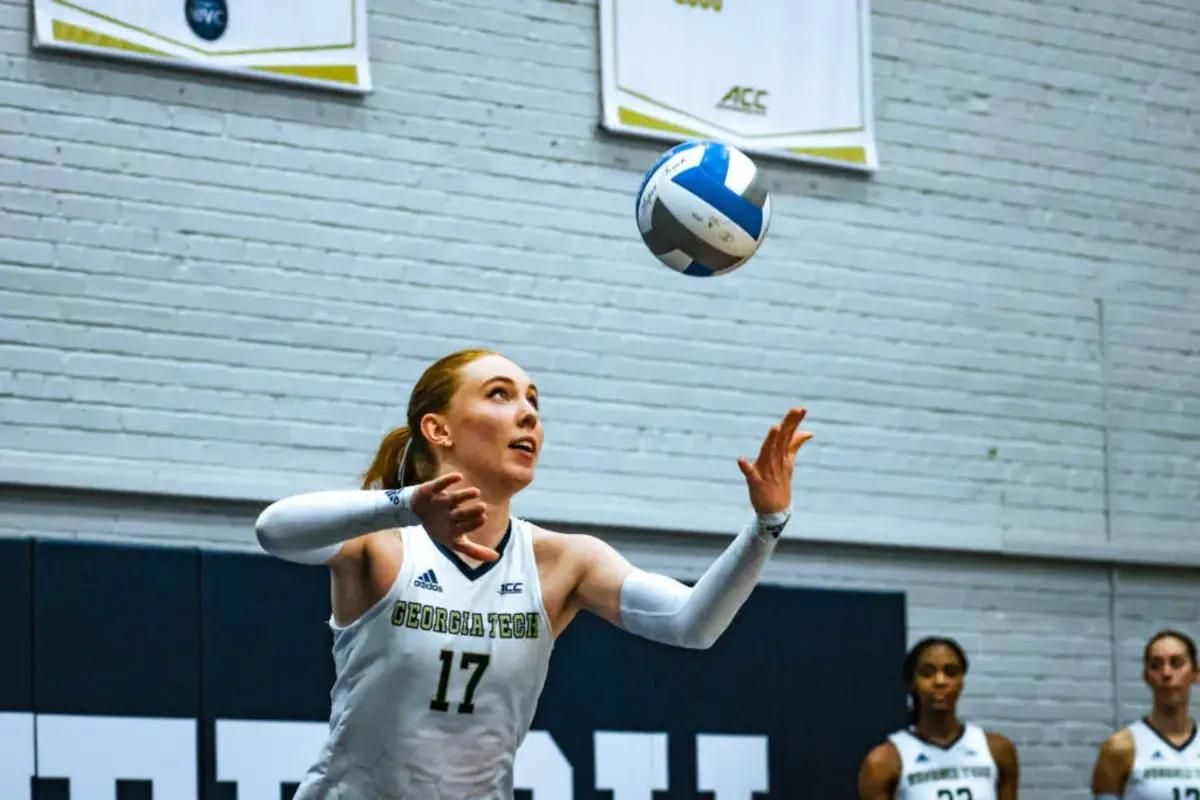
1172	694
518	476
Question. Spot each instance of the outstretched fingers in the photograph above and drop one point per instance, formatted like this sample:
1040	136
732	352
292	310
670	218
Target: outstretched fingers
787	433
767	451
798	441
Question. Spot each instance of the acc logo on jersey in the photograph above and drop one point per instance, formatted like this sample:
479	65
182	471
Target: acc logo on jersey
511	588
208	19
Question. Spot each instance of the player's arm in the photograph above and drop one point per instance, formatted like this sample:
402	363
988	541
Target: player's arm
1113	765
324	527
662	609
1004	753
879	773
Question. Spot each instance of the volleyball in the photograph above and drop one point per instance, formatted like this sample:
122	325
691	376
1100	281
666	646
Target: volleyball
703	209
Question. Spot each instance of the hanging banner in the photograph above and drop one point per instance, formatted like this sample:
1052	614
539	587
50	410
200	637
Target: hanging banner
787	78
312	42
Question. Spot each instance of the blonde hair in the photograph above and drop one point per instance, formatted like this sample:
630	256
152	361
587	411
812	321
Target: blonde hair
404	454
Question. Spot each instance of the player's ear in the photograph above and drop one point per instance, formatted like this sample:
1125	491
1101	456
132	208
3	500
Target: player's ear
436	430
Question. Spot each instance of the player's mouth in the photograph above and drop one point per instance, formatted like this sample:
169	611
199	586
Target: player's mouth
524	444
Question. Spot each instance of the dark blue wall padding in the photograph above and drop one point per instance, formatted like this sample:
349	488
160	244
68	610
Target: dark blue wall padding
16	625
138	631
815	670
117	630
266	638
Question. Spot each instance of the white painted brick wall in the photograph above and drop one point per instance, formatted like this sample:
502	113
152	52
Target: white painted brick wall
207	275
225	289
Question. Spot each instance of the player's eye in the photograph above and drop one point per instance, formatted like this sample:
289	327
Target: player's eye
500	392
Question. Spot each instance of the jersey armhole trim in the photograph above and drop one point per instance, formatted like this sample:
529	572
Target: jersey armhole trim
541	600
401	579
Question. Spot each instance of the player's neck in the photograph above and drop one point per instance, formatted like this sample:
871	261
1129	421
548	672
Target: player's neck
939	727
495	525
496	501
1172	721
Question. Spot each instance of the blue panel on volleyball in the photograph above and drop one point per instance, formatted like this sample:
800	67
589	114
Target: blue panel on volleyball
712	190
117	630
698	270
16	625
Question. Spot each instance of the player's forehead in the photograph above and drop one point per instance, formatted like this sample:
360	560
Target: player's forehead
938	655
491	368
1168	647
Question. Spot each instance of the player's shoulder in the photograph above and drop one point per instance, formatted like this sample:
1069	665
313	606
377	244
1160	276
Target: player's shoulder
1119	745
554	544
882	761
1001	747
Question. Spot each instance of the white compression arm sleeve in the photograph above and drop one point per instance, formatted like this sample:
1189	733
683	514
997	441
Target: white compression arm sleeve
664	610
310	528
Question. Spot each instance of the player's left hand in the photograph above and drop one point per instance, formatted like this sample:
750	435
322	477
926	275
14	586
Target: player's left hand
769	478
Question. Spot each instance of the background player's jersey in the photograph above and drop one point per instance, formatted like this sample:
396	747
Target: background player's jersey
1162	771
438	682
964	770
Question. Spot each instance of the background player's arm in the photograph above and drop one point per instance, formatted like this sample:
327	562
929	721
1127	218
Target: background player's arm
879	773
1113	765
1004	753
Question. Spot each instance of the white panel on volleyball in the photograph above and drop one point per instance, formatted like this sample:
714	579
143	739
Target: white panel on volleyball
676	260
707	223
741	171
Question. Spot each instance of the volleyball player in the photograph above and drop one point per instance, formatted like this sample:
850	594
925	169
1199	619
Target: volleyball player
1157	757
939	757
445	607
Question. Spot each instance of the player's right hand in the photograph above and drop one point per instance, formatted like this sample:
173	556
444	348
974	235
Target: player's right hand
450	511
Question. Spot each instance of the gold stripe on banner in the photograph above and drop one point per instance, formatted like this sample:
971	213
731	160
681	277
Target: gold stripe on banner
855	155
66	32
628	116
337	73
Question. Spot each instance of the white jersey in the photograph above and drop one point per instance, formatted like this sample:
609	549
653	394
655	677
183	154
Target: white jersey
1162	771
963	770
438	682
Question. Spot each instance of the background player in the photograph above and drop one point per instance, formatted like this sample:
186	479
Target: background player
1157	757
938	757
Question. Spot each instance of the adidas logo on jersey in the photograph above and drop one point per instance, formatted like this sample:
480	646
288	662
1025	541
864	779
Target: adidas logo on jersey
1157	756
922	758
428	580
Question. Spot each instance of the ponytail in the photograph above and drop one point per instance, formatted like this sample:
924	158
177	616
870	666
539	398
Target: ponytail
384	472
